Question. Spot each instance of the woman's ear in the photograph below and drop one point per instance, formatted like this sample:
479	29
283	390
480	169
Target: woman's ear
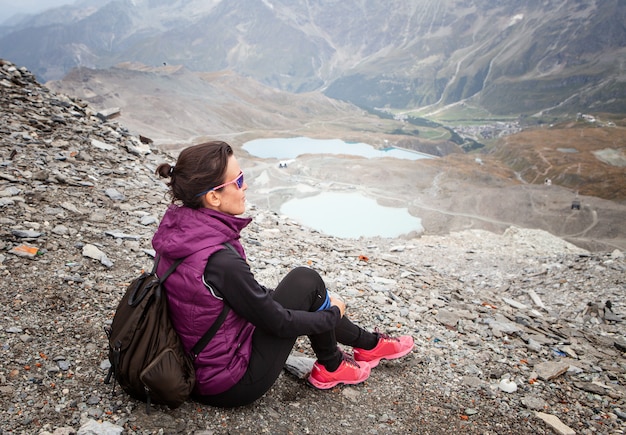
211	200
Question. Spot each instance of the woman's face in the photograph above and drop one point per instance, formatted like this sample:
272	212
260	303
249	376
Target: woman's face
229	199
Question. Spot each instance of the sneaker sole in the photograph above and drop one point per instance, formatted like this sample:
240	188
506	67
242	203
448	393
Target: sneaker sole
331	384
373	363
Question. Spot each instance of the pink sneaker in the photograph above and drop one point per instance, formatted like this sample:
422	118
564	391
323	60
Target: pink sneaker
387	348
348	372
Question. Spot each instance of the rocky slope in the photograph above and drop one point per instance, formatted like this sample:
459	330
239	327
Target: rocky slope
519	332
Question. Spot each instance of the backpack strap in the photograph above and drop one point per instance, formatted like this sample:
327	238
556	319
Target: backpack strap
201	344
204	340
134	298
229	246
169	271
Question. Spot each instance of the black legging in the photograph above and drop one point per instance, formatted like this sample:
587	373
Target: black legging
300	289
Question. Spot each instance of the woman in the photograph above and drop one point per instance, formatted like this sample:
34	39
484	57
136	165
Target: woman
247	354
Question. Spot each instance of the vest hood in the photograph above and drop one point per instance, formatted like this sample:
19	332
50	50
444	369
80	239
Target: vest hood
184	231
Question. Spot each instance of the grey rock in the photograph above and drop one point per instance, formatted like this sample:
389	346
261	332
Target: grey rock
98	216
535	403
102	145
620	413
121	235
299	366
70	207
26	234
473	381
64	365
92	251
591	387
114	194
549	370
534	345
10	191
60	230
502	327
555	423
447	318
149	220
514	303
93	427
620	344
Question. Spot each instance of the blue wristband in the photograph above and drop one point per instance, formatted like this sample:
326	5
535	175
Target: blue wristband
326	303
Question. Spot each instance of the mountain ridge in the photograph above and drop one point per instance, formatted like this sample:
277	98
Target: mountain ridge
538	57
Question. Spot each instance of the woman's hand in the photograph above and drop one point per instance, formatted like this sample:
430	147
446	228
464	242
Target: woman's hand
339	303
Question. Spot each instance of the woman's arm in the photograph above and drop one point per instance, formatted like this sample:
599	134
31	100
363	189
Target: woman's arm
233	279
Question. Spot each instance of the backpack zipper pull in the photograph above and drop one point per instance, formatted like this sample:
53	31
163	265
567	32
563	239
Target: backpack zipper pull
107	380
148	401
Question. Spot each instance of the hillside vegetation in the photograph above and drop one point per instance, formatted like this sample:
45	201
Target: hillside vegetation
587	157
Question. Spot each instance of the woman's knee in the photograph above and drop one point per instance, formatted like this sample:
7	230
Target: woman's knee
305	277
301	285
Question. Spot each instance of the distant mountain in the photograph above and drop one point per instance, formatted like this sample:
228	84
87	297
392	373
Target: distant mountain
509	57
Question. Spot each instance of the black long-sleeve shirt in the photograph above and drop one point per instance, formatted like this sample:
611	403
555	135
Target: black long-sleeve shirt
231	276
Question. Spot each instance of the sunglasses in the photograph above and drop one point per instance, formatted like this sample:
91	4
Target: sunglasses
238	181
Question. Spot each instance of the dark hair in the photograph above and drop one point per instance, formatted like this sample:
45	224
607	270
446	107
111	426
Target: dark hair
198	168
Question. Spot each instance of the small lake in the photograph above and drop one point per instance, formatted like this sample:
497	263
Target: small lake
344	215
290	148
350	215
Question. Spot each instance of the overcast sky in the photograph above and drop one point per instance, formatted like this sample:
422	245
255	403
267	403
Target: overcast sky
9	8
